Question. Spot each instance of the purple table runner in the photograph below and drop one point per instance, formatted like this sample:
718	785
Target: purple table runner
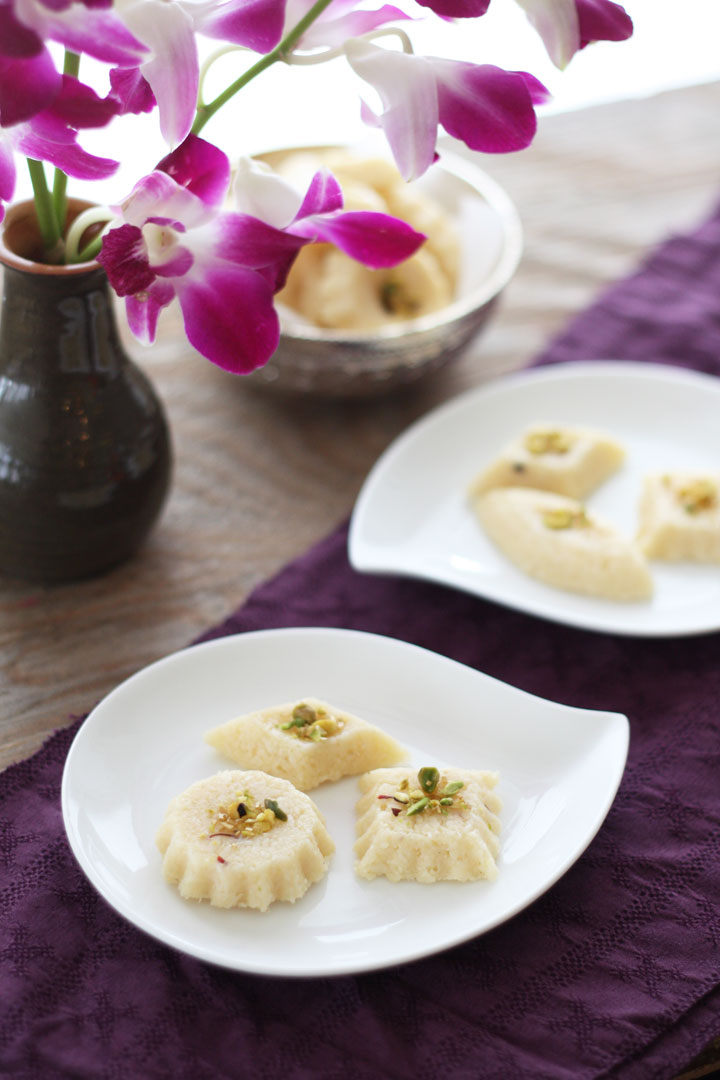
614	973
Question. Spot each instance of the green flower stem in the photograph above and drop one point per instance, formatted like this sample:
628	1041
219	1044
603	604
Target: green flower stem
45	210
71	66
205	112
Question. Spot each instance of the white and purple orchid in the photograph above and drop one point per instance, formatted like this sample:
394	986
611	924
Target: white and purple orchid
488	108
566	26
224	267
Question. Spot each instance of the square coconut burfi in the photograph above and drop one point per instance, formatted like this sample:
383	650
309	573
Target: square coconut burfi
428	825
571	461
307	742
679	518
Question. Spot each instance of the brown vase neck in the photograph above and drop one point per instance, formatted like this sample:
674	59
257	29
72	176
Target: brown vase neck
55	324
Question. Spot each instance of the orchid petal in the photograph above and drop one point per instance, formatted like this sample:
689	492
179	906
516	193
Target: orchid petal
79	106
602	20
322	196
178	263
98	33
377	240
131	90
406	85
18	40
252	243
261	193
487	108
124	259
27	85
557	23
143	310
330	32
199	167
7	172
64	154
173	70
256	24
457	9
159	192
229	317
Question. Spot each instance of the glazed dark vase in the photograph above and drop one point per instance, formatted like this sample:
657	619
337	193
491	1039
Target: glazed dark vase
85	454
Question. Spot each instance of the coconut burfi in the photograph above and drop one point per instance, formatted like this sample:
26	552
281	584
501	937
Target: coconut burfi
429	825
679	517
306	741
243	839
554	539
572	461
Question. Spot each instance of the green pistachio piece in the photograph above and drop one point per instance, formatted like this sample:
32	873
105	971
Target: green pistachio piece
446	802
418	806
304	713
450	789
428	778
272	805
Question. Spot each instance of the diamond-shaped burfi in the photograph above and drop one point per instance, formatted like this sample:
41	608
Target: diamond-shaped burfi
573	461
307	741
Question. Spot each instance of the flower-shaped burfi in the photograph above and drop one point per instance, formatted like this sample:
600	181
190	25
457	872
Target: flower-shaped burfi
306	741
243	839
680	518
555	540
431	825
572	461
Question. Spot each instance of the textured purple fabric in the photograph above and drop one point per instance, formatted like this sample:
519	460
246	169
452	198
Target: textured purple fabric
614	973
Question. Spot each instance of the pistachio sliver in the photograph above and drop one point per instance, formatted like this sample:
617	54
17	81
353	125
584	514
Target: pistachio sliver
417	807
271	804
453	787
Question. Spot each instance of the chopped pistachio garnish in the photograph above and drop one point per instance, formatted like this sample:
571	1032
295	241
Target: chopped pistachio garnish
562	518
245	818
549	442
313	724
701	494
435	795
428	778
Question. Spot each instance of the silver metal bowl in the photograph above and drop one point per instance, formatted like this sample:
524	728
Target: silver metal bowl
354	363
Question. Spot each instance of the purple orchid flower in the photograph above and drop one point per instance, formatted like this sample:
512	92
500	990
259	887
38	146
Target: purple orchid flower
566	26
225	267
489	109
51	135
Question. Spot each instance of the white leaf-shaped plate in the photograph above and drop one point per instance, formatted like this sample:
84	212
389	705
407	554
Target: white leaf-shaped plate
559	770
413	518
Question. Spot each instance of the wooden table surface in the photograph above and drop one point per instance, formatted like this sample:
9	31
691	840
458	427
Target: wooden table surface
259	478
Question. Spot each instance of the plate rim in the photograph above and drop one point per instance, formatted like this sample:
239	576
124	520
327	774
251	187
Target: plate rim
619	722
652	371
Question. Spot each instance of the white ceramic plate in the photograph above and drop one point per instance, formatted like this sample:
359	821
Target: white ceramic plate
412	516
559	770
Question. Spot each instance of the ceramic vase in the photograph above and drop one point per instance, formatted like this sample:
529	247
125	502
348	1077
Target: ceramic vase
85	455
